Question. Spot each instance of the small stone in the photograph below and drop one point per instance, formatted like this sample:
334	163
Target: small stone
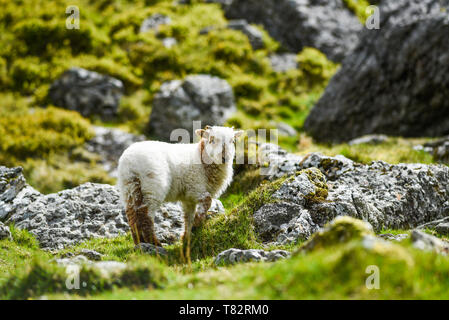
4	232
153	22
427	242
233	256
151	249
442	228
394	237
369	139
91	254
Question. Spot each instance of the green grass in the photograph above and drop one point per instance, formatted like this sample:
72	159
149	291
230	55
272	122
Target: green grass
394	150
334	269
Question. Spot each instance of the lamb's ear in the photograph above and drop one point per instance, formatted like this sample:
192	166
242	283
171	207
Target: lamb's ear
238	133
202	133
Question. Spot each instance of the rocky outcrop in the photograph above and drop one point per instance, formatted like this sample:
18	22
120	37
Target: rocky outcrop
327	25
109	144
395	82
233	256
198	98
400	196
87	92
70	216
88	211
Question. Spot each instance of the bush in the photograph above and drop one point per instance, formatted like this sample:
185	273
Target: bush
41	132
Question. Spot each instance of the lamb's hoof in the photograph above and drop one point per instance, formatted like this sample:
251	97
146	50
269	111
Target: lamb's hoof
151	249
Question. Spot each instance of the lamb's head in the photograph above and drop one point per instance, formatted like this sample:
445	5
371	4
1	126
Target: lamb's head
218	143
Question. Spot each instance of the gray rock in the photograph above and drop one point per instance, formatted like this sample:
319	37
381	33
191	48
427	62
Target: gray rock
405	65
255	37
283	62
153	22
427	242
4	232
87	92
401	196
369	139
233	256
110	143
327	25
198	98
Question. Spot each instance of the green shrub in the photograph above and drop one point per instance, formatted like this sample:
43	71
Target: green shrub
28	74
41	132
316	66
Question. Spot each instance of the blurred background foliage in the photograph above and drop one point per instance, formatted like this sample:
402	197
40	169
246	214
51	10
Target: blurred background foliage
36	48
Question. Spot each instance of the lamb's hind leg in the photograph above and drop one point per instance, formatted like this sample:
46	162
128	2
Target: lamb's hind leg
145	226
141	224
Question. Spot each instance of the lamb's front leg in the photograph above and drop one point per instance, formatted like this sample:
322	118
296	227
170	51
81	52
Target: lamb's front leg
204	204
189	215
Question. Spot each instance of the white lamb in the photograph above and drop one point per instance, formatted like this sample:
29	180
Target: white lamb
153	172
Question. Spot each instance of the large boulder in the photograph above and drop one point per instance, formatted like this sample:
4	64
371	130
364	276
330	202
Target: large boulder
327	25
179	103
88	211
395	82
87	92
401	196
